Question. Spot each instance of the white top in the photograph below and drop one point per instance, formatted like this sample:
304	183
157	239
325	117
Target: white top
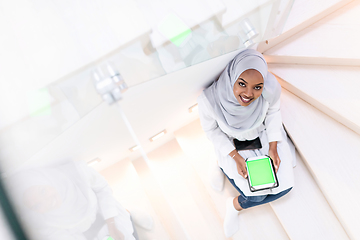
222	138
221	135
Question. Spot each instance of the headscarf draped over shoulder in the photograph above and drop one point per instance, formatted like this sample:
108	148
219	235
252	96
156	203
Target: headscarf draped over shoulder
221	96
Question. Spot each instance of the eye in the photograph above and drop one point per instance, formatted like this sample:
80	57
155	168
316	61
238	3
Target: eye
257	87
242	84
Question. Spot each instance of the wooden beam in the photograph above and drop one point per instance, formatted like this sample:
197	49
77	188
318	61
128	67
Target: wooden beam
304	60
266	45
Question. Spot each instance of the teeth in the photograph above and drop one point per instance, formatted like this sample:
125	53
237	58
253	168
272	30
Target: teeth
246	99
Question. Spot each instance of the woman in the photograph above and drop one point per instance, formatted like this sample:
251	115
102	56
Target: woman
244	103
69	201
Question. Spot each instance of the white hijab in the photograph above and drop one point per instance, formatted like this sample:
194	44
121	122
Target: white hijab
221	96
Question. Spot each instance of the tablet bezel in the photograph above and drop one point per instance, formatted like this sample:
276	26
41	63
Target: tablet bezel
264	186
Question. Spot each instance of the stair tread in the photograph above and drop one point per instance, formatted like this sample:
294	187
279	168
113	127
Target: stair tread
305	9
158	201
305	207
331	37
322	142
169	165
133	197
333	89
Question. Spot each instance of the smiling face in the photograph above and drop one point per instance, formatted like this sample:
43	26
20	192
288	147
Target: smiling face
248	87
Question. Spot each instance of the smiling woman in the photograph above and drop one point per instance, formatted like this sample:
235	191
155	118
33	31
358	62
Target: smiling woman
244	104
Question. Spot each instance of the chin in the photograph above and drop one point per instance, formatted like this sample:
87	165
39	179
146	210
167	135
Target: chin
246	104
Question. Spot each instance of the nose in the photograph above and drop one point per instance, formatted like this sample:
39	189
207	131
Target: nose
249	93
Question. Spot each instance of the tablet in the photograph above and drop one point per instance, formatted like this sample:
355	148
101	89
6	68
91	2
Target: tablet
261	173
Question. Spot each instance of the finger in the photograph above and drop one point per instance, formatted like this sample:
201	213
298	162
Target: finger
244	173
277	164
243	168
240	172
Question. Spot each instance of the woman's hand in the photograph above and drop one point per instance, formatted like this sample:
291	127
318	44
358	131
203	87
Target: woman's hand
274	155
240	163
115	233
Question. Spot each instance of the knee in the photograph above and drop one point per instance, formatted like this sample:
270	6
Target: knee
286	191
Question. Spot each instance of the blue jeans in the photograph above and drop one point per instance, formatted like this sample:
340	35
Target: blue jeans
252	201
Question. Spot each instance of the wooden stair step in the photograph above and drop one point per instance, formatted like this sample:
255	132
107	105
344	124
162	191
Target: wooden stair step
304	212
331	89
331	152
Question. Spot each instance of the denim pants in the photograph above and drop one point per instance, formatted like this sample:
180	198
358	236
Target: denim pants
252	201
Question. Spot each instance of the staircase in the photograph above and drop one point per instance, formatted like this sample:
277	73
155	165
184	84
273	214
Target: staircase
320	106
320	109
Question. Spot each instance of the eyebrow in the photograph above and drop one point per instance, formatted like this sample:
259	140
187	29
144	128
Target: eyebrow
243	80
247	82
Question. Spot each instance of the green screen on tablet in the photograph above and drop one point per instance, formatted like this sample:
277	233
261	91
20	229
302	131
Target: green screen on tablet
260	172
